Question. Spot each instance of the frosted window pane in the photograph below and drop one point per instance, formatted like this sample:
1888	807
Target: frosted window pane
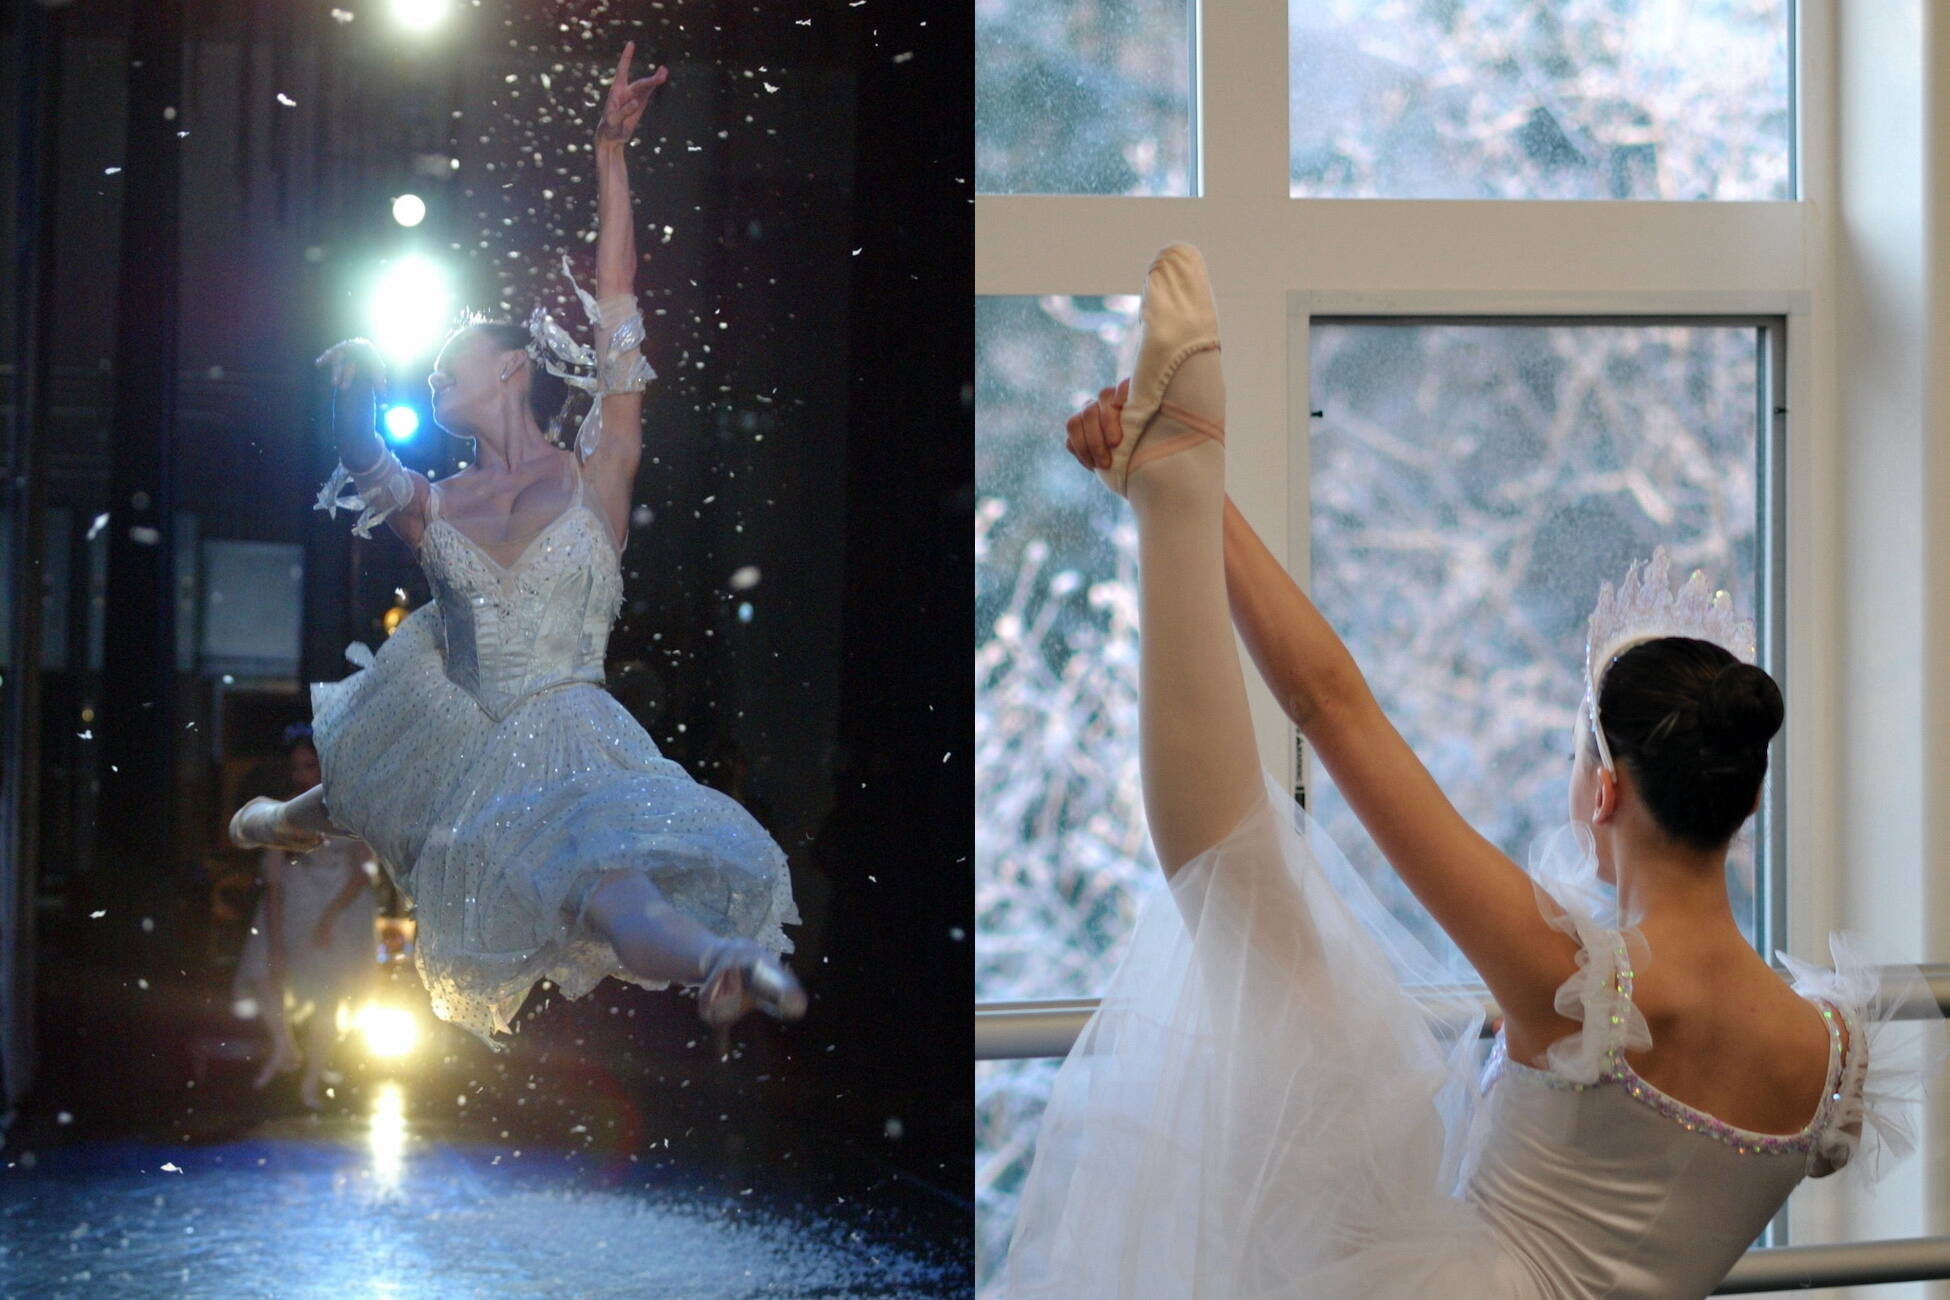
1076	97
1010	1097
1471	486
1517	99
1061	855
1062	861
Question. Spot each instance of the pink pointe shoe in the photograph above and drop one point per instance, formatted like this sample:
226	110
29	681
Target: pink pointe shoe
745	977
1179	320
260	824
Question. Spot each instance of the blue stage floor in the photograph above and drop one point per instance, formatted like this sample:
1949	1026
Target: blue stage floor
371	1203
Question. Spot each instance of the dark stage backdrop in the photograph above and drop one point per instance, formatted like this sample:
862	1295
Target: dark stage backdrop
200	189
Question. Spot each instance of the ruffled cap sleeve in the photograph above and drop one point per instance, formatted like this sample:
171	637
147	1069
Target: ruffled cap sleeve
1598	996
1871	1120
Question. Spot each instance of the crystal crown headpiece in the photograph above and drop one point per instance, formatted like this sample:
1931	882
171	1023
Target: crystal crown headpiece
1645	608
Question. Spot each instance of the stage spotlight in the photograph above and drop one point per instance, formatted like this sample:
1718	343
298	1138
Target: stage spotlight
409	209
419	15
402	422
409	308
389	1031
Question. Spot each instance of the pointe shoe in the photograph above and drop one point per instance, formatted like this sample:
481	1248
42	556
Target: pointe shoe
259	824
745	977
308	1094
1178	319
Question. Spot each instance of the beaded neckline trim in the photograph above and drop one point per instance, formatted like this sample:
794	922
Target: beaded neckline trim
1619	1071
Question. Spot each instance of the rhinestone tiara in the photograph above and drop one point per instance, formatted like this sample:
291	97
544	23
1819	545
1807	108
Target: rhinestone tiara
1645	608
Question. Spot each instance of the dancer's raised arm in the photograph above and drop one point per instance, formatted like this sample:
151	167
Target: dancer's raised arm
387	490
1482	899
611	465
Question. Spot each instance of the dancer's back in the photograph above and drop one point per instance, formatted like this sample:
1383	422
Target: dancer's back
1598	1180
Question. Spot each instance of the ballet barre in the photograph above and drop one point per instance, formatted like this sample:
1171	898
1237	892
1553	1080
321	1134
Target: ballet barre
1028	1030
1856	1263
1012	1031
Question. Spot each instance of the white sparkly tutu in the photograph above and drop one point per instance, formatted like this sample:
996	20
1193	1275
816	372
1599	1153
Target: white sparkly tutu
1262	1108
496	829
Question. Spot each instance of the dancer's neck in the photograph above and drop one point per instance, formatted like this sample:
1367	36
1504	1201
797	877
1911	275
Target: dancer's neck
518	449
1659	878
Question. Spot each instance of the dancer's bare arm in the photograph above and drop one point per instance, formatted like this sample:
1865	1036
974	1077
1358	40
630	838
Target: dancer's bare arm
1477	894
358	373
1482	899
612	466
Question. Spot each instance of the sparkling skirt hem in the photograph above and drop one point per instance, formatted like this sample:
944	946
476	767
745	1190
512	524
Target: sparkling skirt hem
497	830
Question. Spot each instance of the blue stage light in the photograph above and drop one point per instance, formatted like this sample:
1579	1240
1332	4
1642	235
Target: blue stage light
402	422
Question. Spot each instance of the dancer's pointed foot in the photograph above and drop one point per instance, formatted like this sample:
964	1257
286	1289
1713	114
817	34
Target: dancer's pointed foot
309	1094
743	977
1176	396
261	824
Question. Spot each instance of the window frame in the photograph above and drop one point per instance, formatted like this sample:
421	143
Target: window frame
1782	316
1314	257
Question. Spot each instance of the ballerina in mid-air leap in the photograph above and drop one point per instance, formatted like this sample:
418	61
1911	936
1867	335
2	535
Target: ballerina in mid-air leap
535	826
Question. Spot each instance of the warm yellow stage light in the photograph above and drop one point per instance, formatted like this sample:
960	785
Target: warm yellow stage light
389	1031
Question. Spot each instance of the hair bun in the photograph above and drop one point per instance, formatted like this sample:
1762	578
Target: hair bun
1742	708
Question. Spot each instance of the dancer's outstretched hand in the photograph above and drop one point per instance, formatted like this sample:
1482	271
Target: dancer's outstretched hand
1098	427
627	100
352	361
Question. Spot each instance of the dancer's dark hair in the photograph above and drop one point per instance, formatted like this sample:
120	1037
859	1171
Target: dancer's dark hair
1692	725
297	736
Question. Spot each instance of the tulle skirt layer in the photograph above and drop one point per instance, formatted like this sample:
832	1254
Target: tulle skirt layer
1260	1108
497	830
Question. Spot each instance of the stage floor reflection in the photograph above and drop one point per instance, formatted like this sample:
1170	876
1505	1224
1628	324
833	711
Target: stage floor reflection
385	1195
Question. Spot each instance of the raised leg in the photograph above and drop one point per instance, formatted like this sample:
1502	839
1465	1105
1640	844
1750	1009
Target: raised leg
651	937
1196	747
296	825
307	813
657	941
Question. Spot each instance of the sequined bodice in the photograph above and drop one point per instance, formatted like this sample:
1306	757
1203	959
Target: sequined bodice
1614	1188
540	622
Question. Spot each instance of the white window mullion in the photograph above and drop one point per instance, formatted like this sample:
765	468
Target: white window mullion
1240	117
